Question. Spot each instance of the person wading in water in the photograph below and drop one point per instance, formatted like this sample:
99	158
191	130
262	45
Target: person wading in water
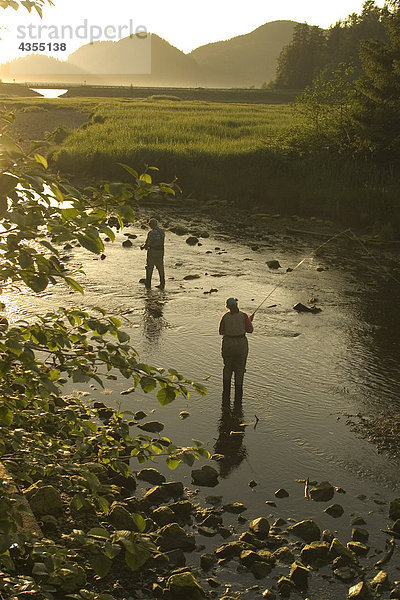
155	252
233	326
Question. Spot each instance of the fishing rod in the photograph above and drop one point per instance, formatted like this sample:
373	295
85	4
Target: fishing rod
345	232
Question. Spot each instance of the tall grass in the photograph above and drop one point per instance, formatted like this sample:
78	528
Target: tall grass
240	153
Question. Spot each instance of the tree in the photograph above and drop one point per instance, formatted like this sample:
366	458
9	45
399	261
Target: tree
301	60
77	453
377	107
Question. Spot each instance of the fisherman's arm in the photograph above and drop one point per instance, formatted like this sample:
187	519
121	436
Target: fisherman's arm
248	324
221	327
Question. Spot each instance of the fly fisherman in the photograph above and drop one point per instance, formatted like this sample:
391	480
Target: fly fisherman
155	252
233	327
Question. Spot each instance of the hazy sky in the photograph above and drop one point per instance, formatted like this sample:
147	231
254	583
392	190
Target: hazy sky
184	24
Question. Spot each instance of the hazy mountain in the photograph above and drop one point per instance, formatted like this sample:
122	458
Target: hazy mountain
239	62
127	58
246	59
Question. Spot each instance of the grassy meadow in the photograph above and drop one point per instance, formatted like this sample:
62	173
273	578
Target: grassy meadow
238	153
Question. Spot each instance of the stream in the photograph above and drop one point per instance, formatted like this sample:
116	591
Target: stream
305	372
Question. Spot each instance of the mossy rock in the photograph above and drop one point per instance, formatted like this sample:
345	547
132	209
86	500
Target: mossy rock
174	537
184	586
46	500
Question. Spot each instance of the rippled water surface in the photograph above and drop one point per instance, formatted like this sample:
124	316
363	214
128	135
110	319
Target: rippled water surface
305	371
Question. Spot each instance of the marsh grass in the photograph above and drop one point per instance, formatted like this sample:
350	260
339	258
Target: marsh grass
246	154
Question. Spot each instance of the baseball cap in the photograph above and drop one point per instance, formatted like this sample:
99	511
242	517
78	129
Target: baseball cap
231	302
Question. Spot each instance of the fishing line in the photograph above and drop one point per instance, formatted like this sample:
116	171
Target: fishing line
364	247
300	263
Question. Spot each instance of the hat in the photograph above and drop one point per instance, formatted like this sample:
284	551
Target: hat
231	302
153	222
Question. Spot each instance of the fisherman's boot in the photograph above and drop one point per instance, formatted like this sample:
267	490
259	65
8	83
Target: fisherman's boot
226	389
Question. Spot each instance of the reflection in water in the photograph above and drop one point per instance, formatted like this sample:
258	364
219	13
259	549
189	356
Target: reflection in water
230	437
153	320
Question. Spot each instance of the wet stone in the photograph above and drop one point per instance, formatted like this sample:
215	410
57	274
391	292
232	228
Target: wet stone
182	509
45	500
250	538
285	587
173	537
248	557
207	561
266	556
235	508
394	509
307	530
284	555
192	241
151	476
176	558
281	493
315	552
380	581
232	549
207	531
299	575
213	583
206	476
269	595
121	518
322	492
327	536
163	515
358	548
360	591
334	510
273	264
337	549
260	569
184	586
260	527
211	520
358	521
156	495
359	535
173	489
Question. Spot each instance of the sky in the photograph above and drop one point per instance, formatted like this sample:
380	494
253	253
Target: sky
184	24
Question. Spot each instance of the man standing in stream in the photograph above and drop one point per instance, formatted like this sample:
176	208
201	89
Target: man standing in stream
155	252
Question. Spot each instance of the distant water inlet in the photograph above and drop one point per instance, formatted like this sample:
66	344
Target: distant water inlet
50	92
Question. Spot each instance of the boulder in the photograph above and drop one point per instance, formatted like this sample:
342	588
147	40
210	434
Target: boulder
360	591
285	586
284	555
173	489
337	549
207	561
211	520
182	509
394	509
192	240
380	581
266	556
152	427
273	264
251	539
248	557
179	230
334	510
156	495
163	515
151	476
359	535
127	244
206	476
315	552
120	518
322	492
306	530
45	500
260	569
235	508
184	586
173	537
176	558
358	548
190	277
299	307
299	575
260	527
232	549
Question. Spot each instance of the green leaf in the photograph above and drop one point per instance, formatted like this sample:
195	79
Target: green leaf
136	559
172	463
69	213
8	183
91	243
41	160
99	532
54	375
129	170
73	284
6	415
100	564
166	395
146	177
37	283
126	212
139	522
148	384
123	337
103	504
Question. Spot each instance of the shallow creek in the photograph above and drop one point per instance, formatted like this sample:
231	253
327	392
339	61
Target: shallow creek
305	372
